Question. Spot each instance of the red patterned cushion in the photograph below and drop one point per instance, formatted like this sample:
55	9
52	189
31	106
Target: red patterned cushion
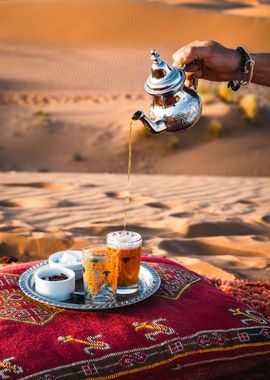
189	330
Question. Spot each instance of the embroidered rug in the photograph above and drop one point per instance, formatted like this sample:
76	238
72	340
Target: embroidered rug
188	330
256	294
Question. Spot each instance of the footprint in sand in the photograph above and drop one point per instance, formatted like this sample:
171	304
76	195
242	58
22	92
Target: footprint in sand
266	219
5	203
66	203
184	214
223	228
124	195
160	205
36	202
90	185
260	238
42	185
113	194
247	202
138	198
98	230
33	202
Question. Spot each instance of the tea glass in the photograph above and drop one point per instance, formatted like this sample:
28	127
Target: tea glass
129	245
100	273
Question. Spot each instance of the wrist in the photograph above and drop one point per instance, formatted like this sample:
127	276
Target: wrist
261	74
245	71
235	58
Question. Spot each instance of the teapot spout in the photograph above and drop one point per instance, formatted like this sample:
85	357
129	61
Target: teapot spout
151	126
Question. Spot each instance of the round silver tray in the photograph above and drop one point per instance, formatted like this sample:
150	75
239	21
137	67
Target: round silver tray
149	282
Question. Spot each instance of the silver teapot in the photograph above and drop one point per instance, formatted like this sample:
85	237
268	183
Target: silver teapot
175	107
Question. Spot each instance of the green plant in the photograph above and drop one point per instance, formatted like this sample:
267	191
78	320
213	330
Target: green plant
249	104
216	128
77	157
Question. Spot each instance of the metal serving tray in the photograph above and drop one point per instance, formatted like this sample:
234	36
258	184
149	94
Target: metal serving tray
149	282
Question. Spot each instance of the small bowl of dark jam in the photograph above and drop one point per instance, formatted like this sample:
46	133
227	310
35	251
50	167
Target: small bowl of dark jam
55	283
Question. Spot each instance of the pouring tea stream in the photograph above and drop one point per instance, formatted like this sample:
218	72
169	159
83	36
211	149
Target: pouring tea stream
175	107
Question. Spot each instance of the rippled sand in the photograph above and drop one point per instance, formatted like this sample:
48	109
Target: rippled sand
219	226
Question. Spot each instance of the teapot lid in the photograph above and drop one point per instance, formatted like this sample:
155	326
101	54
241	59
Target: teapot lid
163	78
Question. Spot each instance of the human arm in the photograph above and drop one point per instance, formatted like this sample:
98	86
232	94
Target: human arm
212	61
261	74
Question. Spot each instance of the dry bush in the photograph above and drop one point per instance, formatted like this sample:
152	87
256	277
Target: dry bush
43	117
77	157
226	94
17	134
207	98
173	143
216	128
249	104
204	87
206	92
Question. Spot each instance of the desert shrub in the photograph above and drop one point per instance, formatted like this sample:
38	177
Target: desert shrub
77	157
43	117
249	104
204	87
226	94
216	128
40	113
173	143
207	98
206	92
17	134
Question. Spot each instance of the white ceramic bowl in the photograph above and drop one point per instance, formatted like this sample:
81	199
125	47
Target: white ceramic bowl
55	290
77	267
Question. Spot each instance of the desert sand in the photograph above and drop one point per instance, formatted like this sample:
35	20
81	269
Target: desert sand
134	23
217	226
251	8
71	75
57	116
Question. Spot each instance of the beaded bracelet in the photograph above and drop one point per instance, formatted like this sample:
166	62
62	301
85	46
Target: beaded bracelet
246	70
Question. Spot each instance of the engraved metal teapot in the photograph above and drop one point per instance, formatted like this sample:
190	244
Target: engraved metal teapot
175	107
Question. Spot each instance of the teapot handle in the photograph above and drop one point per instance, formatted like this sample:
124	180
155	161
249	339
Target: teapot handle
195	84
194	80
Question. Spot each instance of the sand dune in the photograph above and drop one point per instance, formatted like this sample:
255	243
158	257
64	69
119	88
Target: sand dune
218	226
251	8
134	23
